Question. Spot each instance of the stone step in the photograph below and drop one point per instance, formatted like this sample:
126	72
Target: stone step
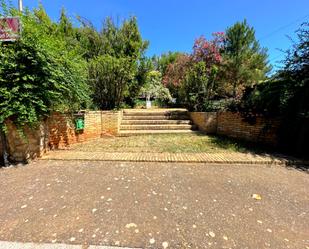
155	122
159	117
155	113
158	127
150	132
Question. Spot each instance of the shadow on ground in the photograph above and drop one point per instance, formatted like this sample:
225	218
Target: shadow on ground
227	143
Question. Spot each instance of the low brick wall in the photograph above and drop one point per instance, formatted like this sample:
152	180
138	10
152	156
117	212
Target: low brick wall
260	130
205	121
30	144
62	133
58	131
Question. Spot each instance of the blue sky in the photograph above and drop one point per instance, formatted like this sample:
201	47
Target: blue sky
172	25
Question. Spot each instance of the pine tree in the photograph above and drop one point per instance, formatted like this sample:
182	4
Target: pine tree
245	61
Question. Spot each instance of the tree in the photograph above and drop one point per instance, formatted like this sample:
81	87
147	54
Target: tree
286	96
154	87
175	73
245	61
209	51
38	74
194	91
117	44
145	65
294	133
109	77
162	62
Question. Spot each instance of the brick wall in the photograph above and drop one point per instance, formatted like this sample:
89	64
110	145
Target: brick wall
261	130
24	146
205	121
62	133
58	131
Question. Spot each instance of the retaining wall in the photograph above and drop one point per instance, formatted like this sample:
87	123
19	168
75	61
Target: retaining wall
62	132
58	131
205	121
260	129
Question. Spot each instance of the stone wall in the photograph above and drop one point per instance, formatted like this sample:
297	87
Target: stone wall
58	131
260	130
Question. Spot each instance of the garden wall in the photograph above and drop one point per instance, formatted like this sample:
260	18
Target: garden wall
58	131
62	132
259	129
1	150
205	121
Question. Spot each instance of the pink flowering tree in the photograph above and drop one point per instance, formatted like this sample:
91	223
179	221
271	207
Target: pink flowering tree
196	74
175	73
209	51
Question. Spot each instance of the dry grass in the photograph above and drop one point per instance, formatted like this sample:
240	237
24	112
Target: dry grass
172	143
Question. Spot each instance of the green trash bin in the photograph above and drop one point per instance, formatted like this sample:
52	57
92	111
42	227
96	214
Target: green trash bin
79	124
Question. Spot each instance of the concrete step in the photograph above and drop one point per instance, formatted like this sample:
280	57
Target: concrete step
155	122
150	132
155	113
159	117
158	127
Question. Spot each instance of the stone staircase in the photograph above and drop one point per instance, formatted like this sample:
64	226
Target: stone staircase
164	121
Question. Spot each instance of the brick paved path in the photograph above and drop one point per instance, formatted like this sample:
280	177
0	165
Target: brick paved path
228	157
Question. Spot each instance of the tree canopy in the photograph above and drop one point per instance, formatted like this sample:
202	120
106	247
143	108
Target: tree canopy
38	73
245	62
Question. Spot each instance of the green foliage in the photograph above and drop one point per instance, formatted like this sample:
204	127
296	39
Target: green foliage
163	61
175	74
124	47
123	41
265	98
245	62
286	96
154	87
109	77
195	88
288	91
232	60
38	73
145	65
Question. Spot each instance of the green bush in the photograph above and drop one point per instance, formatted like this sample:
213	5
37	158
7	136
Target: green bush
39	74
196	87
124	48
109	79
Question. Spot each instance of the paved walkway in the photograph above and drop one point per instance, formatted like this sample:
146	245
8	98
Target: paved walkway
17	245
226	158
154	205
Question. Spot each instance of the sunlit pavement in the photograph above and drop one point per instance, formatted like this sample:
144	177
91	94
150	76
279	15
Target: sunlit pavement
62	204
16	245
